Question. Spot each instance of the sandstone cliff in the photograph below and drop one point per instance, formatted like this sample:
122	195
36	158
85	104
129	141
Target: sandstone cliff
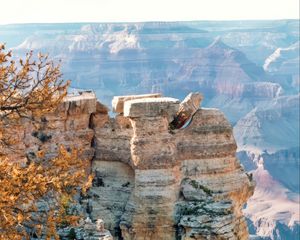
154	183
151	182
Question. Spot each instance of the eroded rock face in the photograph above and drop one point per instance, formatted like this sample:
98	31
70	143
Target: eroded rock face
152	182
69	126
86	230
187	108
214	186
183	184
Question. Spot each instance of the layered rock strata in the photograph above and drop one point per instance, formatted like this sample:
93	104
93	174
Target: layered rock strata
188	107
118	101
151	182
69	126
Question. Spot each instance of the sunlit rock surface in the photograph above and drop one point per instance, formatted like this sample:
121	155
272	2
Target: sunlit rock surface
150	182
241	67
153	183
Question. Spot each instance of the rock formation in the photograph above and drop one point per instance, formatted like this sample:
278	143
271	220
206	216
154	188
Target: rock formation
67	126
152	182
86	230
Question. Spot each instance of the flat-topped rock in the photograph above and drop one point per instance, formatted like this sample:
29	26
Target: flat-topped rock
151	107
83	102
80	96
118	101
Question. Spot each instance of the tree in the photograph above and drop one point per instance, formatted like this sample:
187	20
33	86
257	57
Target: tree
29	89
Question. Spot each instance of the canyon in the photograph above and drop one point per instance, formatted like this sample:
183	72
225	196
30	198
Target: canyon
247	69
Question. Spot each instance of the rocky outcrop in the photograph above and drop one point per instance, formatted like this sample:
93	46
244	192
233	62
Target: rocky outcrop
156	183
152	181
86	230
208	163
69	126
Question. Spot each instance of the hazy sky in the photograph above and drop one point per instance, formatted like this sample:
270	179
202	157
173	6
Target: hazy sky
28	11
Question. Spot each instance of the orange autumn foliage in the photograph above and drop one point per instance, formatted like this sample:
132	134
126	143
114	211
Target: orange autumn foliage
28	89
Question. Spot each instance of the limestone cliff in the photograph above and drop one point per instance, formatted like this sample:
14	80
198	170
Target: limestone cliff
152	182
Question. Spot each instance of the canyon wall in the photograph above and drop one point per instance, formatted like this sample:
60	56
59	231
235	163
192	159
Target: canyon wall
151	182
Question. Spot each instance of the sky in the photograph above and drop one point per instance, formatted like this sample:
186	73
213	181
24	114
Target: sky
53	11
